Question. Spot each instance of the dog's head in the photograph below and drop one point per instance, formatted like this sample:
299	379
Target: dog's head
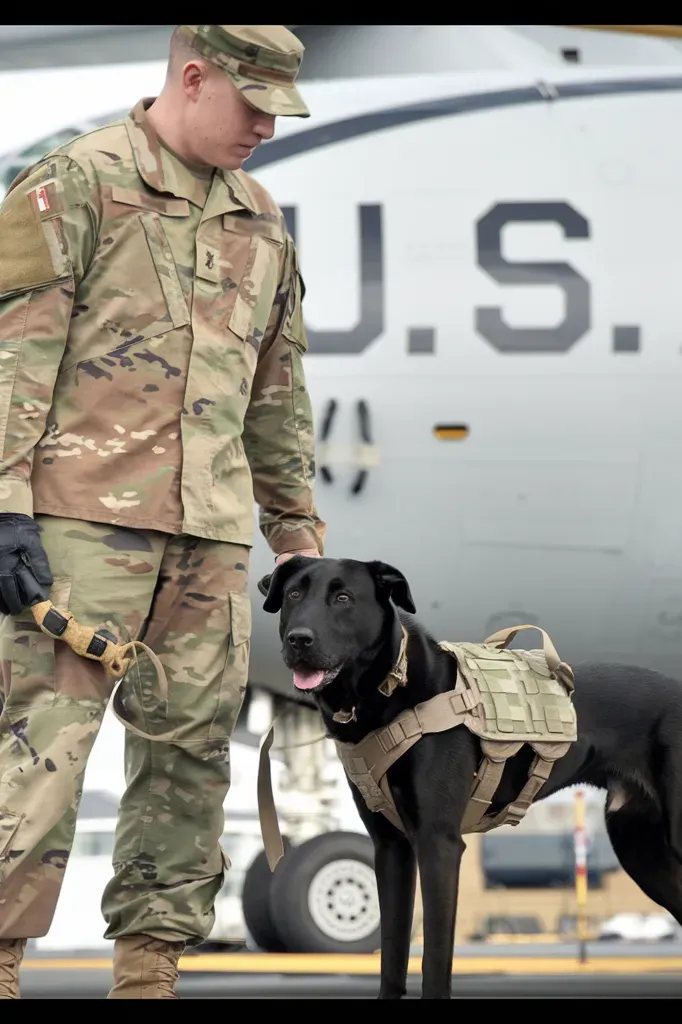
332	613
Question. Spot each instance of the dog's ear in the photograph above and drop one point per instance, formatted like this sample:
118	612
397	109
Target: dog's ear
392	582
272	585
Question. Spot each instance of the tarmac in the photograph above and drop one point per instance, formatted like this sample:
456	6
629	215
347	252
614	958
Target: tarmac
611	970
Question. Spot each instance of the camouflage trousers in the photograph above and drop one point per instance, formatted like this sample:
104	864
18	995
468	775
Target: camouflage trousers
187	600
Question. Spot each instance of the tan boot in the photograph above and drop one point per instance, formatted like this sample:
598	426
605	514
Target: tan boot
145	968
11	955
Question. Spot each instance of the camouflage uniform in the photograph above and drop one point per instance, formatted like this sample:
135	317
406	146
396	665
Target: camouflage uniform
151	386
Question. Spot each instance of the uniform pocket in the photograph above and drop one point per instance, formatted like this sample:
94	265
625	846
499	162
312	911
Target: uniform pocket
256	289
236	671
131	209
132	293
29	654
164	264
293	328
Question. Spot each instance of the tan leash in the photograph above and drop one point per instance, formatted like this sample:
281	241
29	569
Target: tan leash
115	658
101	645
267	812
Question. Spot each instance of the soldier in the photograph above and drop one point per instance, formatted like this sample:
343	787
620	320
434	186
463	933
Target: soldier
151	387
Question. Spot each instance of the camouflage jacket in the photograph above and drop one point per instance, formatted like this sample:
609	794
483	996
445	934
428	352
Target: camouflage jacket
151	342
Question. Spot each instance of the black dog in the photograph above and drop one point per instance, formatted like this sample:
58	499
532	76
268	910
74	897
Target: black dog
341	632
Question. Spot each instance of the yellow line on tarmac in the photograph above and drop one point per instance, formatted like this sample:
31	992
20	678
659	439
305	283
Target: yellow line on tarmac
89	963
304	963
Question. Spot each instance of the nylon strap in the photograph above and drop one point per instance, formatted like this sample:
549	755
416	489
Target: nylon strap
554	662
101	646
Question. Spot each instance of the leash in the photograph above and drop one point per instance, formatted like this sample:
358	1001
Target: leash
101	645
115	658
267	812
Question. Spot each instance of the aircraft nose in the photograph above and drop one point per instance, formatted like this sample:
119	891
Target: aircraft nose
300	637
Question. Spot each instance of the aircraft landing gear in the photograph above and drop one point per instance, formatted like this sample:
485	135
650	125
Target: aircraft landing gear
325	898
322	896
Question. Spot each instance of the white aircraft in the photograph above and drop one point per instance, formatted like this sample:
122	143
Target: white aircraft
488	221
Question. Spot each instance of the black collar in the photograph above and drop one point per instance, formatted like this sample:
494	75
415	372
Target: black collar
396	677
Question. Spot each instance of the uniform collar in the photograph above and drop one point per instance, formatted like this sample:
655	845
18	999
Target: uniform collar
162	172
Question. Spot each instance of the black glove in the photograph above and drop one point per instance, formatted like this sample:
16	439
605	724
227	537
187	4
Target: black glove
25	577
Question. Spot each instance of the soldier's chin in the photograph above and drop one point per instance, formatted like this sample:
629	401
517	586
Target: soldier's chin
237	156
230	159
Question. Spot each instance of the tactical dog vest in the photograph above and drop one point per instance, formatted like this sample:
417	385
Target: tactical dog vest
507	699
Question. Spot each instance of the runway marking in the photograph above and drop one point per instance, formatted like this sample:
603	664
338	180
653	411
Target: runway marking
368	964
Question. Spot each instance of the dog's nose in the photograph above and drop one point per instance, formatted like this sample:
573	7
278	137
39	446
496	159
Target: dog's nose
301	637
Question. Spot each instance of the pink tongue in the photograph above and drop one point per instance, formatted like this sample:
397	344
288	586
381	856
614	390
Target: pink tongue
307	680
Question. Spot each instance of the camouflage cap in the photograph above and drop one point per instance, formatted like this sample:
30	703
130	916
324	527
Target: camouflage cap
262	61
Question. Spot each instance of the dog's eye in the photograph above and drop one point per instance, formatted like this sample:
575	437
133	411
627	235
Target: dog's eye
342	597
294	594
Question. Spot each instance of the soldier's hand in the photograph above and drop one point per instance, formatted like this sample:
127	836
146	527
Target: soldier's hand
307	553
25	577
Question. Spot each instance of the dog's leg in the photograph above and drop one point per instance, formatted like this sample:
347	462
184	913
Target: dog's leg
439	856
671	788
439	845
641	847
395	867
396	871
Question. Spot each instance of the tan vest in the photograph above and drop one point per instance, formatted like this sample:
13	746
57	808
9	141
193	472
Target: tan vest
506	698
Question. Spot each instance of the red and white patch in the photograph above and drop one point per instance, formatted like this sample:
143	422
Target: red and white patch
42	199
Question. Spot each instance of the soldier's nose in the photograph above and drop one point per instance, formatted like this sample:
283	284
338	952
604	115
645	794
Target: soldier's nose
300	637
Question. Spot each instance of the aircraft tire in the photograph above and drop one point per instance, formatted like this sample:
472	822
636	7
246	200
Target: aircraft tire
324	900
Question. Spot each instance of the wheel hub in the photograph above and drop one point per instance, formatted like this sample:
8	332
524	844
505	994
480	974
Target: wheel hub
343	900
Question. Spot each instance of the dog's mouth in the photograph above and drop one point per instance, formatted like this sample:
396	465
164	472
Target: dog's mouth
314	679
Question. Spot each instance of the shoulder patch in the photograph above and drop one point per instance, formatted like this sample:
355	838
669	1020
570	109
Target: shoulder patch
29	254
46	199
